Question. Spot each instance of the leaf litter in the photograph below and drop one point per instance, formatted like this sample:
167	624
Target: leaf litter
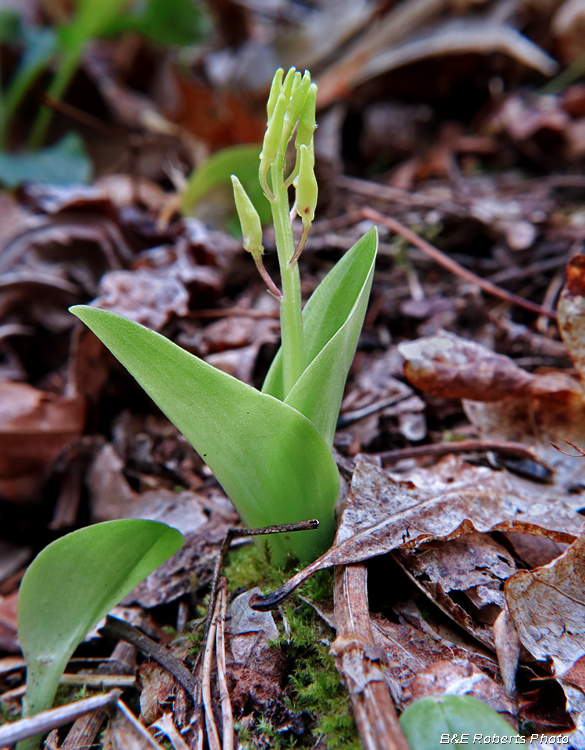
485	553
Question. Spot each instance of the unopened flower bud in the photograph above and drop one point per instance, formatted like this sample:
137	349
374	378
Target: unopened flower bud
273	134
306	187
249	220
275	91
307	119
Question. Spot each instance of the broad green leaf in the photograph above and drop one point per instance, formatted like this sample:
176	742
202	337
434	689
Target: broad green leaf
72	584
428	720
63	163
269	458
332	321
218	169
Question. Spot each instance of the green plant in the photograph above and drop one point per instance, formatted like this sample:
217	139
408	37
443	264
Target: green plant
70	586
269	449
453	720
171	22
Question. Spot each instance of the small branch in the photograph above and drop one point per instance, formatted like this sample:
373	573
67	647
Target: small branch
450	265
235	533
359	662
115	628
224	696
55	717
210	726
462	446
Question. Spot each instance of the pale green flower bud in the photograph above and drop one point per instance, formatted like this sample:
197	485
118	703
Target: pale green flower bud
275	91
306	187
297	104
288	83
273	134
249	220
307	119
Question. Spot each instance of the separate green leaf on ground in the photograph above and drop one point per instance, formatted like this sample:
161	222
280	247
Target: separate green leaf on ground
71	585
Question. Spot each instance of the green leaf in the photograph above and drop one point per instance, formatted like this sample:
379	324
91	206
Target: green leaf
268	457
72	584
218	169
91	19
177	23
332	321
428	719
40	45
10	26
63	163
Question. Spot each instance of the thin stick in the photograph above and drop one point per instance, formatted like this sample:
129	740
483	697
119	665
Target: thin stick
462	446
115	628
212	733
451	265
235	533
224	696
55	717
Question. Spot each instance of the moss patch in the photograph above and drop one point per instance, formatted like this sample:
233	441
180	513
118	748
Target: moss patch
313	687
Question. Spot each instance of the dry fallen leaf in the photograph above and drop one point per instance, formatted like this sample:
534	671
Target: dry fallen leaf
503	401
388	515
34	427
547	606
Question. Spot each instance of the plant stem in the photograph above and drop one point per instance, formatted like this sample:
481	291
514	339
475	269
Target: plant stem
290	306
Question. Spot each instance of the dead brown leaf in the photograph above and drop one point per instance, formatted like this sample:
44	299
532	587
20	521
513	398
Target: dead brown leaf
388	515
34	427
548	608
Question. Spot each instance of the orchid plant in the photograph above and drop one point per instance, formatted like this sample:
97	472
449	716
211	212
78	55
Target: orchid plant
270	449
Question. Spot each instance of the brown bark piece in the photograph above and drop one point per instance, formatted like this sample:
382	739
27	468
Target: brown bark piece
359	661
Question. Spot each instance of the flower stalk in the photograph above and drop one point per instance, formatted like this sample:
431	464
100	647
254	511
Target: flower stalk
291	109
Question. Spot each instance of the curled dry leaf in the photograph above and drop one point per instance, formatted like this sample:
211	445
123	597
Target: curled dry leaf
388	515
503	401
571	311
464	578
547	606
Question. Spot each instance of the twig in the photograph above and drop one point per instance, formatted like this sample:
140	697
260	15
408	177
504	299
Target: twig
359	662
462	446
224	696
115	628
85	729
235	533
55	717
212	733
352	416
448	263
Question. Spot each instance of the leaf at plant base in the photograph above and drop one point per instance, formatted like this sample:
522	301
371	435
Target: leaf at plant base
63	163
217	170
426	720
332	321
267	456
72	584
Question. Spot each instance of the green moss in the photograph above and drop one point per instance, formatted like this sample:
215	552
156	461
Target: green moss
313	683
